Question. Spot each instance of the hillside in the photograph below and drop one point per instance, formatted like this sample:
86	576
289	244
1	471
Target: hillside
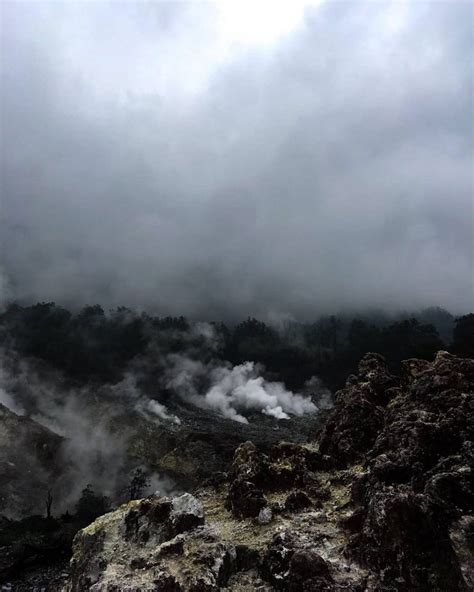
29	463
383	501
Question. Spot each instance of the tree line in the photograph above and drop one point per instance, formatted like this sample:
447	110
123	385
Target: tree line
92	345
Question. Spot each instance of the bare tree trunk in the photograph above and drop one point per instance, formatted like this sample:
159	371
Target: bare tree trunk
49	503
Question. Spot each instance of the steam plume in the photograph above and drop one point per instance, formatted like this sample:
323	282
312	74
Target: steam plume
234	390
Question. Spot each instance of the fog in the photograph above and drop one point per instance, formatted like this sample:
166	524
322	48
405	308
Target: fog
91	452
153	158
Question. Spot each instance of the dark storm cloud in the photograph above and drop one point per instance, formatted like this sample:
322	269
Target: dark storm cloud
146	163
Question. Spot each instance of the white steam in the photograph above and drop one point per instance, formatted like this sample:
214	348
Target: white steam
91	452
158	410
319	393
234	390
127	389
241	388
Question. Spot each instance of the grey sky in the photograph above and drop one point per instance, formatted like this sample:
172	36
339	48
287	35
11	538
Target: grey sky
150	160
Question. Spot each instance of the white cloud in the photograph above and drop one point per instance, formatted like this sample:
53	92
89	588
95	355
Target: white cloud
329	169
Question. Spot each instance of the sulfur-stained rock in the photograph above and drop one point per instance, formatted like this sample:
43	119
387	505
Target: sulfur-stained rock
164	582
245	499
462	538
246	558
412	368
265	515
248	464
186	513
288	566
129	549
173	547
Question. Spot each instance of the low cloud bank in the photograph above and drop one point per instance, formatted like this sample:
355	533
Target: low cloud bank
328	171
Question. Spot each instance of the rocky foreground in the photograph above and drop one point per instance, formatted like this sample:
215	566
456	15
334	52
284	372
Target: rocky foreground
383	501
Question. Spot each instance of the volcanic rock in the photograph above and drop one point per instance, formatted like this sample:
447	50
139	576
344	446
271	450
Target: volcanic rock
387	499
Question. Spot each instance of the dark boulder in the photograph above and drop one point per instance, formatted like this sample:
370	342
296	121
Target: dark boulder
245	499
307	572
289	567
358	415
297	500
405	538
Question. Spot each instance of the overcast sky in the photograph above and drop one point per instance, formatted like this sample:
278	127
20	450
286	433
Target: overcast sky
222	160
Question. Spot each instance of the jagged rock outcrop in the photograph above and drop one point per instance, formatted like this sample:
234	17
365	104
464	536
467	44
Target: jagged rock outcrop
358	417
418	479
135	548
383	502
140	548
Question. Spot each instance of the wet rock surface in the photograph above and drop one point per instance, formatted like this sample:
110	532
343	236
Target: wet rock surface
383	502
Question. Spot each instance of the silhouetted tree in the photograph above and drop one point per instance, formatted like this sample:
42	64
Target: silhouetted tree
441	319
96	346
335	325
409	339
48	503
139	481
91	505
463	336
254	340
363	337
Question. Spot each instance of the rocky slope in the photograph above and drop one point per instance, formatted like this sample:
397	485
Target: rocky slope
33	460
203	443
29	461
384	502
100	430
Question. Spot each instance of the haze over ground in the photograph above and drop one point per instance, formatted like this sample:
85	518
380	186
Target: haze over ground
219	160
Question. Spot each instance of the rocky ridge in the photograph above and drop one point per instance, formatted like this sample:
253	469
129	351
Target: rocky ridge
382	502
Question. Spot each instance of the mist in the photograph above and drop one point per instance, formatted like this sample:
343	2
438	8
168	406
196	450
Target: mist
153	160
92	451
